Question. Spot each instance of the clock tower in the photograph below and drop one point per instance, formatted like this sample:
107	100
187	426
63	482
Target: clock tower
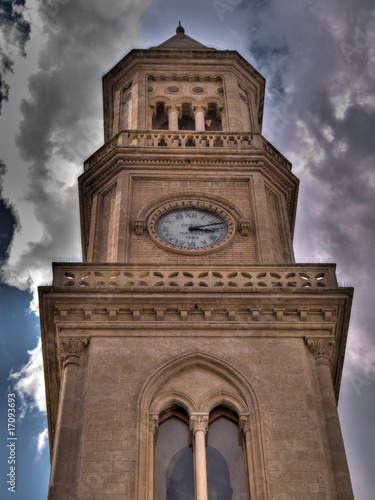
188	356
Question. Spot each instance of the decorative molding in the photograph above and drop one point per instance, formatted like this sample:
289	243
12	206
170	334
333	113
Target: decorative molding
321	348
184	77
167	317
193	198
199	422
183	351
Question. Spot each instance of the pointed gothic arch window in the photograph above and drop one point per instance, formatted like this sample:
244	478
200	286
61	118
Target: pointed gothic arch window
174	462
175	450
200	419
225	455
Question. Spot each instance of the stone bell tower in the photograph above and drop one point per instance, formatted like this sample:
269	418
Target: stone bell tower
189	356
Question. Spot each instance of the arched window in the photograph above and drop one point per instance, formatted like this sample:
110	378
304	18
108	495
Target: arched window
174	461
226	467
160	118
175	478
126	107
176	423
186	122
213	120
245	110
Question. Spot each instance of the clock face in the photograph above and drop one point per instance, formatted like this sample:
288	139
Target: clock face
191	228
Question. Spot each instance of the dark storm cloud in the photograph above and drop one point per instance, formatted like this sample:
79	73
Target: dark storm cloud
62	124
9	220
320	111
15	30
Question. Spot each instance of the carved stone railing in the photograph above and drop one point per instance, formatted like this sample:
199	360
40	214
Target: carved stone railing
187	139
193	277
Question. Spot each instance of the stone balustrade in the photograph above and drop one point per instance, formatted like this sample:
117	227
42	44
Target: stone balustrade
137	277
187	139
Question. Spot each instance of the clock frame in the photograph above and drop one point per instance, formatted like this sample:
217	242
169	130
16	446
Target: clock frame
175	206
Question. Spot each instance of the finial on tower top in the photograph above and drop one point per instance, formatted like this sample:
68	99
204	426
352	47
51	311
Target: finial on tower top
179	28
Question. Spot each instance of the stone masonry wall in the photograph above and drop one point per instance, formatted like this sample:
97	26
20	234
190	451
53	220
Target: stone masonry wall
279	371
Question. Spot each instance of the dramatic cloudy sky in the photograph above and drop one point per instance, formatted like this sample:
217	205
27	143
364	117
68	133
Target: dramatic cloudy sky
318	57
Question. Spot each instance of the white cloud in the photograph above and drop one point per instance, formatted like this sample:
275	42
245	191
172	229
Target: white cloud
30	381
310	151
328	133
42	441
341	103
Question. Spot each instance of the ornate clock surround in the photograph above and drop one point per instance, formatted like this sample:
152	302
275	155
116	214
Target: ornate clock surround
181	204
150	213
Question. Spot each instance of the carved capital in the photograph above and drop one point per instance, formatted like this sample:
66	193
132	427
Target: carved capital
245	424
199	107
153	423
71	350
321	348
199	422
173	107
139	226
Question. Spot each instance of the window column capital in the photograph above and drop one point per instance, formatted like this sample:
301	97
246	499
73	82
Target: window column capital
153	422
245	424
199	422
170	106
199	107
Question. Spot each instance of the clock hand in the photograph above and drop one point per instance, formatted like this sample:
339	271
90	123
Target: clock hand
195	228
198	228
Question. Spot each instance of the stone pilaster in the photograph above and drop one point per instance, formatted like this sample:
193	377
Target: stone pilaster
323	351
67	442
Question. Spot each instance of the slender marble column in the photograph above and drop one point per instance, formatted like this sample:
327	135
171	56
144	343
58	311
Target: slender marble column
172	117
153	427
199	427
68	432
199	112
323	352
245	426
